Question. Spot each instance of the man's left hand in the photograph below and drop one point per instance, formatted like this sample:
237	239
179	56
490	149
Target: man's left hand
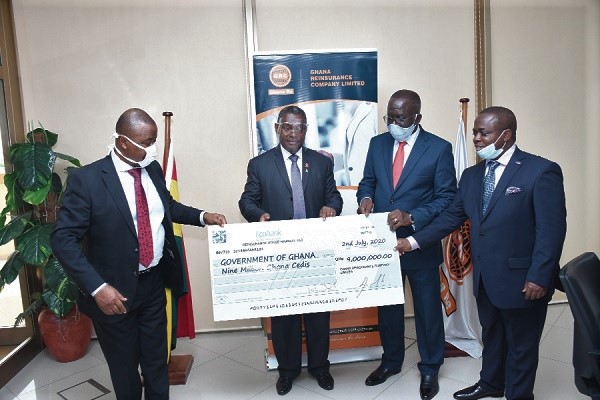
214	219
327	212
398	218
533	291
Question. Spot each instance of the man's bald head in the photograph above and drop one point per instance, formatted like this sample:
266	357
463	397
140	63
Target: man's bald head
408	96
131	120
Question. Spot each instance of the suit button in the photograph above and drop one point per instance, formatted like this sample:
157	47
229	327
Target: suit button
135	250
391	201
350	169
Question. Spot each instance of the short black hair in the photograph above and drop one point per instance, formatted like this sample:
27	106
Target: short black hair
409	95
130	119
505	116
291	110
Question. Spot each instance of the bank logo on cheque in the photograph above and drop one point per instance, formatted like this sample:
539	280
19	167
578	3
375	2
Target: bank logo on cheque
219	236
280	75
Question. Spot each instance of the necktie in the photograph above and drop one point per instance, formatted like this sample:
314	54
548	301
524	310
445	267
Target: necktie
489	181
145	243
398	163
297	190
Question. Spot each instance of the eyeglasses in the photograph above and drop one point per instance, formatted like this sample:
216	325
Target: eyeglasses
390	119
297	127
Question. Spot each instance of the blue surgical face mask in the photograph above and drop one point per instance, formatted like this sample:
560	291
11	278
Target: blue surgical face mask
490	152
401	134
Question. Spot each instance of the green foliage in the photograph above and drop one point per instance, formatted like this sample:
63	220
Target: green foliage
34	189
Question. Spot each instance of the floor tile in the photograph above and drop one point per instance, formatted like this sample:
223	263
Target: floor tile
201	355
565	320
558	345
223	378
251	354
224	342
6	394
99	374
407	387
461	369
555	381
297	393
554	311
44	370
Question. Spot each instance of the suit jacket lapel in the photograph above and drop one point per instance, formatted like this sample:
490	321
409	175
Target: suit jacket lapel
511	169
158	183
115	189
386	153
280	165
419	148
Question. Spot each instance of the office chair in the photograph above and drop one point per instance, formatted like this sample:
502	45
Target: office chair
581	280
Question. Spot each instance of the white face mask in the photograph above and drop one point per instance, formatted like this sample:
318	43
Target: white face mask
399	133
490	152
151	152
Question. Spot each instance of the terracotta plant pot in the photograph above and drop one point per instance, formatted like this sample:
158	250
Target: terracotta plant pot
66	338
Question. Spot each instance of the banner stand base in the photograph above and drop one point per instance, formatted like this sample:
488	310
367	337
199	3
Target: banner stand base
452	351
179	368
336	356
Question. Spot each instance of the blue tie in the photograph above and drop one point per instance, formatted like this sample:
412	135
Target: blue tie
488	183
297	190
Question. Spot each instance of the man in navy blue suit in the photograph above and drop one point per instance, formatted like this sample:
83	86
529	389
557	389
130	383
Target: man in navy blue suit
516	203
114	237
409	173
271	194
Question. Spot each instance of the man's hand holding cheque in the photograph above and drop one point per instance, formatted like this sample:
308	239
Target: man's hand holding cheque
403	246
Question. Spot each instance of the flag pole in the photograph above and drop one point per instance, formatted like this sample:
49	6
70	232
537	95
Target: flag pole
464	108
168	115
179	365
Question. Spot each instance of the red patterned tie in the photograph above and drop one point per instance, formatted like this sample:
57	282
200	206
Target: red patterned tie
146	246
398	163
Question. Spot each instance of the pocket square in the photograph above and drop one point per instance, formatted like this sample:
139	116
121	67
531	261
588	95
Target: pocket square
513	190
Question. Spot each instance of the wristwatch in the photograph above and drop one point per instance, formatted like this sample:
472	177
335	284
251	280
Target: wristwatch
412	220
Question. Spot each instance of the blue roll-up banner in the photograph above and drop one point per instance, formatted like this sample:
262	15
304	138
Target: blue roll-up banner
338	91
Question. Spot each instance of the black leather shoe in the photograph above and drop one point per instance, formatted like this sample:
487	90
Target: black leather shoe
429	386
284	385
477	392
325	380
379	376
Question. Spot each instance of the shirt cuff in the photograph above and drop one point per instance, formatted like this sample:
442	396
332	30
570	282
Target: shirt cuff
97	290
202	223
413	243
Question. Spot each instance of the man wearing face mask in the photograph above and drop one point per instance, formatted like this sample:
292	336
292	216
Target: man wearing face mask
516	203
114	237
409	173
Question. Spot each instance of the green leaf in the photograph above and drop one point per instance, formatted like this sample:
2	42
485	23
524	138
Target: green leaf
38	195
59	306
48	137
36	303
68	158
59	282
14	228
10	270
34	244
33	164
14	193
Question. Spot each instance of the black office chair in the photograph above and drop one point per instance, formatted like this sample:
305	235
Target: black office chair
581	280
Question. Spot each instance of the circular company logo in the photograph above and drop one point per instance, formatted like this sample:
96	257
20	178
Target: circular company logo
280	75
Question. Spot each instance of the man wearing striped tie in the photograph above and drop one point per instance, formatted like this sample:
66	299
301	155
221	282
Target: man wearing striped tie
516	204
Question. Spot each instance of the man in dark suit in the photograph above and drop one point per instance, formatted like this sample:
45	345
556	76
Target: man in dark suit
516	204
114	236
409	173
274	192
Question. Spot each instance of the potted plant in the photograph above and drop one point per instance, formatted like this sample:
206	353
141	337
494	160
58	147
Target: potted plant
33	196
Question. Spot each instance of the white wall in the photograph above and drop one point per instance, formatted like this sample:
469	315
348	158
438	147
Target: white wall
83	62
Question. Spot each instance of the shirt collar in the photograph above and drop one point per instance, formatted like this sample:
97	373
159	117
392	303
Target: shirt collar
505	158
120	165
287	154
